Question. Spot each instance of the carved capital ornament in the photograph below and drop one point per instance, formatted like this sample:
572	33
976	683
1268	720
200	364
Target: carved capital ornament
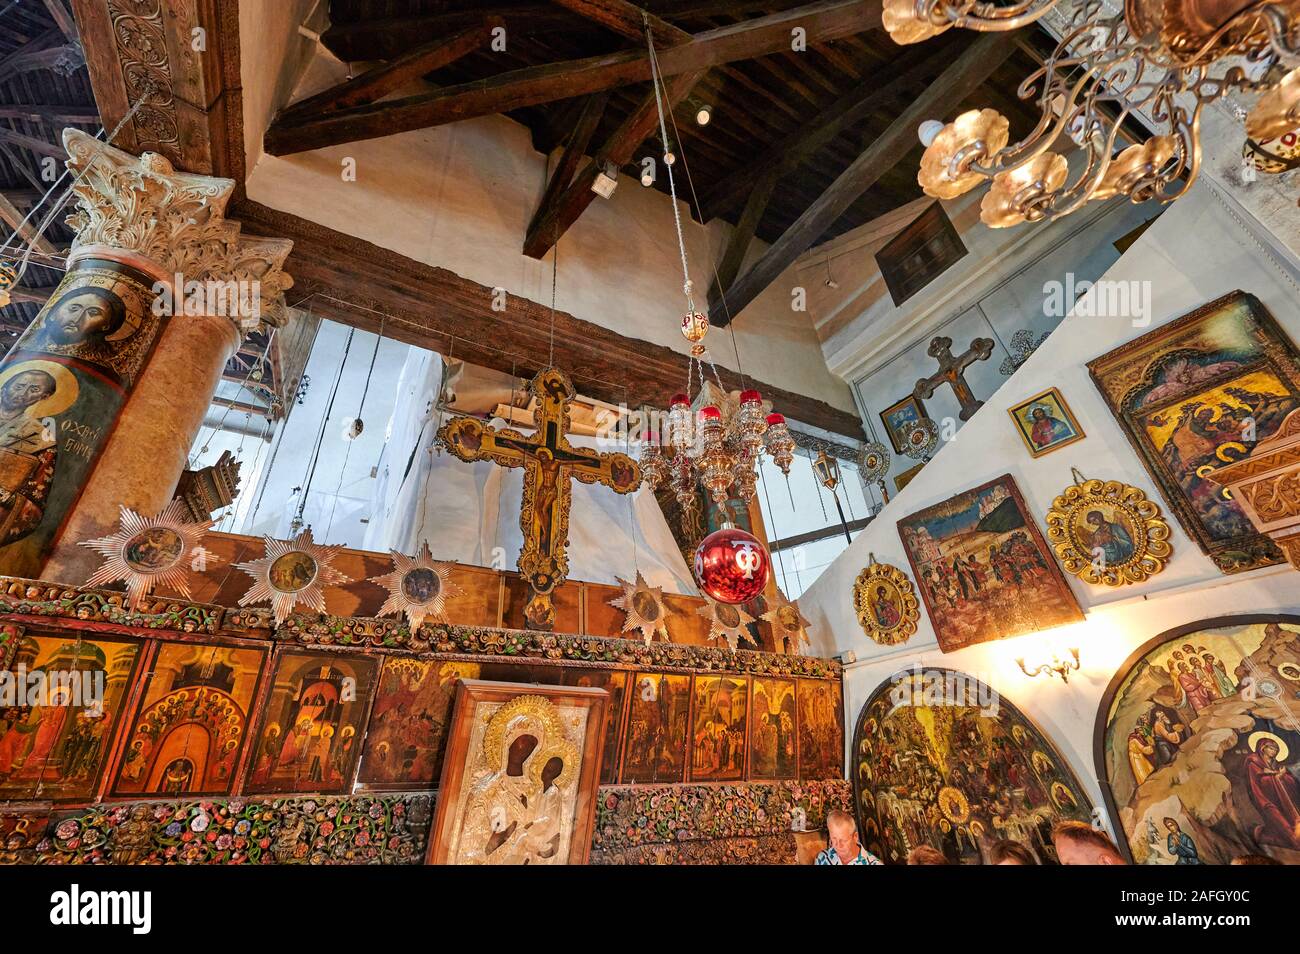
174	220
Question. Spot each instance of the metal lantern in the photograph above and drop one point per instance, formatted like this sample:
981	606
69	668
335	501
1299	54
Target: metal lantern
827	469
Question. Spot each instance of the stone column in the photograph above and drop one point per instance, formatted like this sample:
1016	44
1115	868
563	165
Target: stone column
134	340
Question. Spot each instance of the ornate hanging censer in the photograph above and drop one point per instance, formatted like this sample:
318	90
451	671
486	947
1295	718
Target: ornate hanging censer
1165	59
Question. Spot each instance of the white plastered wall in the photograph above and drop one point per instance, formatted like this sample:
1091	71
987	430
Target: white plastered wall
1199	249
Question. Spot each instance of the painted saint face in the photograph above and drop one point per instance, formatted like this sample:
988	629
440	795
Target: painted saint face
82	317
23	390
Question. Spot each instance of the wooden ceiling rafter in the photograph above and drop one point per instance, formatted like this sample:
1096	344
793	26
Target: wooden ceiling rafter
402	70
546	230
823	20
825	127
966	72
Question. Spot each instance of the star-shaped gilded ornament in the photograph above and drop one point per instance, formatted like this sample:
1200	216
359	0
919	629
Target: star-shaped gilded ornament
788	621
727	622
292	572
146	551
418	586
644	606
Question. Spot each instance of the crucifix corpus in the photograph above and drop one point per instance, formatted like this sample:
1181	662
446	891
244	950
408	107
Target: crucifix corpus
548	461
951	370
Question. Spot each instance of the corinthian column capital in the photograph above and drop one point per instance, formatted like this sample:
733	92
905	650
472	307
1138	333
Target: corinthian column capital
174	221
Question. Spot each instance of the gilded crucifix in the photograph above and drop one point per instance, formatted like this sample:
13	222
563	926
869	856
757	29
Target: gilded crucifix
548	461
951	370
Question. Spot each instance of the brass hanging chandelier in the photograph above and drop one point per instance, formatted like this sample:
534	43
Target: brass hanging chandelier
1165	59
719	446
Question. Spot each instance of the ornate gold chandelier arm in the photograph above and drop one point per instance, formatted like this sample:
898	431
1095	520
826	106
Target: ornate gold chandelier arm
985	17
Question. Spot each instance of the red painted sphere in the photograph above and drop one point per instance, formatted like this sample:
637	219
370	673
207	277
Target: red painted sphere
774	419
731	566
749	396
710	413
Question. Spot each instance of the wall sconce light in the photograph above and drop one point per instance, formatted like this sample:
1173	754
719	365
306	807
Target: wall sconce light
1058	666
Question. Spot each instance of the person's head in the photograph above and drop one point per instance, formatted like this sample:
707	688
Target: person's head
1078	843
926	855
1268	749
1254	860
85	314
843	833
1010	852
1172	825
25	389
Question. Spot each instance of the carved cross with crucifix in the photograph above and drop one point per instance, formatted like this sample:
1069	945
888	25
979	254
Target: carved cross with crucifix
548	461
951	370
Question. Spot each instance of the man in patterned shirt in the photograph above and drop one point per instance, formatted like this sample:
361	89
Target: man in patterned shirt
845	848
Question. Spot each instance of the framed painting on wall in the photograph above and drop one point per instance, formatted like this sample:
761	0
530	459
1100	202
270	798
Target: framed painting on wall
773	724
192	724
920	253
1197	742
965	774
1045	423
654	747
719	718
821	729
898	417
613	681
905	478
983	568
407	730
1197	393
56	748
313	724
519	779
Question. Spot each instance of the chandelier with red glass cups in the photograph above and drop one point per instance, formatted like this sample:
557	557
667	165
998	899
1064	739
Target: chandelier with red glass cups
717	448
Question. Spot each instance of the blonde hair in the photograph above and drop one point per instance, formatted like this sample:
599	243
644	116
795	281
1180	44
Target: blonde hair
838	817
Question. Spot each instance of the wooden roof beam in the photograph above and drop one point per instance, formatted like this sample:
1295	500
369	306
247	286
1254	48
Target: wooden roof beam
545	230
52	114
968	71
909	76
379	82
62	17
824	20
743	234
574	149
385	38
434	308
11	216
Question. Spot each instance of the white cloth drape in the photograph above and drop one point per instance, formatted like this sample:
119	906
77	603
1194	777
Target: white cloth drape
469	512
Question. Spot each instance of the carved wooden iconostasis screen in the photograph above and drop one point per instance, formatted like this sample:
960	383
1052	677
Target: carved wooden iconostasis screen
339	727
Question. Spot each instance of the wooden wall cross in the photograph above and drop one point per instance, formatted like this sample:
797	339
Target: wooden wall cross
951	371
548	461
